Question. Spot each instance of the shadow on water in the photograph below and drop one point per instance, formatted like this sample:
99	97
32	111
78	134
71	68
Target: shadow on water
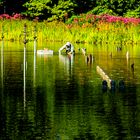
61	97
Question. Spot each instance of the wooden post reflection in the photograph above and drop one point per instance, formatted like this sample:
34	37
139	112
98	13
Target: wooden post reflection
68	62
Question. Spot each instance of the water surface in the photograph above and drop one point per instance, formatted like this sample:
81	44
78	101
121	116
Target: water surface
58	97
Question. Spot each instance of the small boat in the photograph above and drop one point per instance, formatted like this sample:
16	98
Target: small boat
45	52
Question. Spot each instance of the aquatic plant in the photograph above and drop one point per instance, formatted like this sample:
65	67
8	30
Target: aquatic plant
86	28
90	18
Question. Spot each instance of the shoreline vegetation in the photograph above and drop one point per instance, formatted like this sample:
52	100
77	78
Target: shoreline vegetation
85	28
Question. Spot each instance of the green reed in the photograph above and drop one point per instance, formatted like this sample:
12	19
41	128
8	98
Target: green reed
58	31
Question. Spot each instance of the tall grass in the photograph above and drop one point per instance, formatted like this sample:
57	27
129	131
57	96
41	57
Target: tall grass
79	30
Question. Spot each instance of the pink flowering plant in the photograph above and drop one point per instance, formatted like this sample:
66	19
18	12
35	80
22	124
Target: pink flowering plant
85	28
14	16
90	18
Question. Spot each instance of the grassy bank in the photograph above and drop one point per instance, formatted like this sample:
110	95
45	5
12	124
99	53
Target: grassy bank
80	29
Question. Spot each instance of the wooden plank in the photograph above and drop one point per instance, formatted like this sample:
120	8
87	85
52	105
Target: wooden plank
104	76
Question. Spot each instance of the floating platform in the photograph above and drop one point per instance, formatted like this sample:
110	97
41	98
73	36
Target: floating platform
48	52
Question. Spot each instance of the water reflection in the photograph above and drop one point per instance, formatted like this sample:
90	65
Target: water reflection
24	76
67	61
63	97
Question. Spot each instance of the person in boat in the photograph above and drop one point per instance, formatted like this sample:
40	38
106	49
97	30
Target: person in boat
68	47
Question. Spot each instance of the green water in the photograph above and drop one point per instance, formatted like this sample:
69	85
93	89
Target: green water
53	97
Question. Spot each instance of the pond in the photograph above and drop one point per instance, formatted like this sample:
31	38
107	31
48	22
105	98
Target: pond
60	97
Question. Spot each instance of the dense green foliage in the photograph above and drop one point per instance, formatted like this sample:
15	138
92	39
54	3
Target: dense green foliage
59	9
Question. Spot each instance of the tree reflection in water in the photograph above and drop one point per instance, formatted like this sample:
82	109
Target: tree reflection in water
64	98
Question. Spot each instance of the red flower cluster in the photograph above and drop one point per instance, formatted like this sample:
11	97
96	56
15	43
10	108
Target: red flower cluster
14	16
109	18
90	18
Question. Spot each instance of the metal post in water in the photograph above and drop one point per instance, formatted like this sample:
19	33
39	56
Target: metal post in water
35	40
24	66
25	34
2	55
2	62
35	36
2	33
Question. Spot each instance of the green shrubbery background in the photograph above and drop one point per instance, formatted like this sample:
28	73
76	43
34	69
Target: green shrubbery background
61	10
